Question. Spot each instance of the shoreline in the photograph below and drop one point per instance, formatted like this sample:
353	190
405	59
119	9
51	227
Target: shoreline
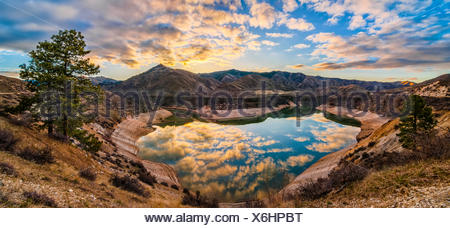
320	169
128	132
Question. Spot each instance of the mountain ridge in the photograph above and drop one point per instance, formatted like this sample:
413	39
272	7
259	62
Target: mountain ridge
173	81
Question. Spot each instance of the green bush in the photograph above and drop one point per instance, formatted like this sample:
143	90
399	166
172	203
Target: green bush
88	142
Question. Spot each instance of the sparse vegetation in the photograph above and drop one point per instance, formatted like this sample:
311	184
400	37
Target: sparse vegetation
39	198
88	174
342	175
7	140
88	142
7	169
37	155
130	184
198	200
175	187
147	178
3	198
408	185
419	120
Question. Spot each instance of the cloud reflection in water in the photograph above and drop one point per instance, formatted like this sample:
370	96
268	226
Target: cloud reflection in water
238	162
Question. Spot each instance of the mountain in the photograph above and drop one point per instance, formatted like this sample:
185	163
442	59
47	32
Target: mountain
174	81
171	81
103	81
226	76
288	81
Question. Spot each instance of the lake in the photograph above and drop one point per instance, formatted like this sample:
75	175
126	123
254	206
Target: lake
241	162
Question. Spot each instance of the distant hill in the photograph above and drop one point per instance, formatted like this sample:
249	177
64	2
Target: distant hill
294	81
103	81
173	81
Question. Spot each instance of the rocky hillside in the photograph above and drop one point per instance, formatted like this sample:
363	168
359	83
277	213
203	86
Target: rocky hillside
38	171
11	89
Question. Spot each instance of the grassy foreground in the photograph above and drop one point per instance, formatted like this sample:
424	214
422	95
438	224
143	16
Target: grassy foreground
417	184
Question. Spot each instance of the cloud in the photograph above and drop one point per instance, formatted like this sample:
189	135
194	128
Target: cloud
301	139
299	24
270	43
298	66
137	33
333	138
289	5
384	15
299	160
301	46
365	51
283	35
263	15
357	22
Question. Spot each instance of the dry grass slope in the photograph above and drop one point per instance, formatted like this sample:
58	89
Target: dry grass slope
417	184
60	181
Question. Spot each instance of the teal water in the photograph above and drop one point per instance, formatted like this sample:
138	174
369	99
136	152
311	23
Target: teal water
241	162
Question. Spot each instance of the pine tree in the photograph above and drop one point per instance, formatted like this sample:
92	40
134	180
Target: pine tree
56	74
419	121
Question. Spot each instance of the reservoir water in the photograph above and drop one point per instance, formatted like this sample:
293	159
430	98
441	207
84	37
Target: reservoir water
246	161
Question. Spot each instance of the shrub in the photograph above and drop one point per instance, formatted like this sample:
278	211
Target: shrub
347	172
130	184
88	142
372	144
88	174
138	165
175	187
147	178
24	120
360	149
39	156
186	191
165	184
342	175
199	201
7	169
365	155
3	198
7	140
38	198
254	204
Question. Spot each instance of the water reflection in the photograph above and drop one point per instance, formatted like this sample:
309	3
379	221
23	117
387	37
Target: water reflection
244	161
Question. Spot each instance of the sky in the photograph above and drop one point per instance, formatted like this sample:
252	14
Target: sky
383	40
